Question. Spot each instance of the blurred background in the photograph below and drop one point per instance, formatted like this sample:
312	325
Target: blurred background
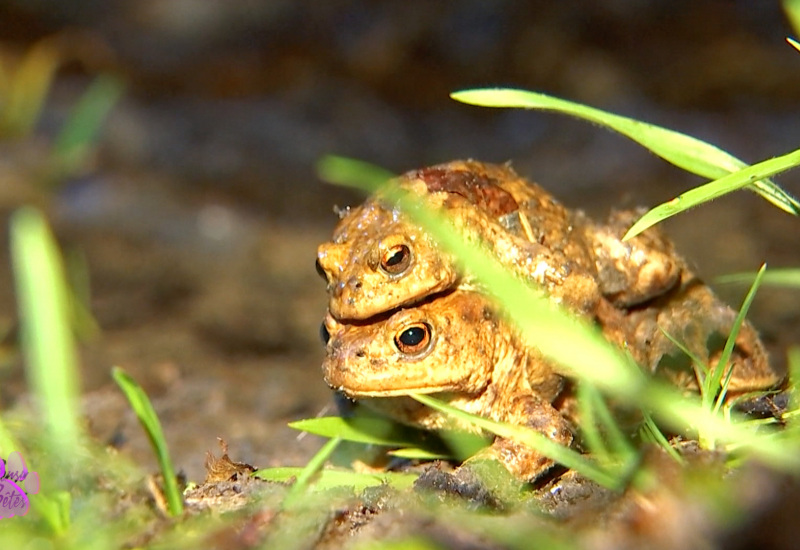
172	144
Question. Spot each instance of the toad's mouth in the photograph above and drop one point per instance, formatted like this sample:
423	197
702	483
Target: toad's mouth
355	393
382	387
364	382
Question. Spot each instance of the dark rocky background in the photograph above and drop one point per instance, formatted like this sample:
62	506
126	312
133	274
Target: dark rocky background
200	212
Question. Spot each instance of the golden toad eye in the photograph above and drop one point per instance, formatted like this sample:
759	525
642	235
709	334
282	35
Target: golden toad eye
396	260
413	339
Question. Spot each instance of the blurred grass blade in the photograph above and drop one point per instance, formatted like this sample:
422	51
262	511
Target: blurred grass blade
651	432
53	506
381	431
691	154
788	277
715	389
463	444
713	190
598	425
304	476
792	10
27	87
80	131
579	349
48	344
141	405
793	43
347	171
417	453
792	417
54	509
535	440
590	431
329	479
369	430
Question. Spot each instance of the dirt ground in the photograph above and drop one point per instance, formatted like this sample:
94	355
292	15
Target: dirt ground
199	216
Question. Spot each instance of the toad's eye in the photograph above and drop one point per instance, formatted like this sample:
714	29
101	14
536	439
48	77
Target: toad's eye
413	339
396	260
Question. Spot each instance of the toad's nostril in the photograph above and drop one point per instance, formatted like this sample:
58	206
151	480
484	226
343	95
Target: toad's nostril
353	283
360	353
324	334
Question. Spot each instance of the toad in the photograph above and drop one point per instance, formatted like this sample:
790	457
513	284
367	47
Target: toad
380	260
456	346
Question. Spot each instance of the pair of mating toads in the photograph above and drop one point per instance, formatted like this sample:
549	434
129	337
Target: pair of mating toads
403	317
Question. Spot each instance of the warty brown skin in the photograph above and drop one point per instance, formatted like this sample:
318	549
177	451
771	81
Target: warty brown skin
541	246
523	226
468	357
474	359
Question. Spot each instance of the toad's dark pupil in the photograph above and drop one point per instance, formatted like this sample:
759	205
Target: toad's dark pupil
413	336
396	260
414	339
323	333
396	257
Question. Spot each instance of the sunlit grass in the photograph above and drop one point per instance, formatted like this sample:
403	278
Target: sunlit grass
49	348
689	153
583	353
788	277
79	134
141	405
24	86
535	440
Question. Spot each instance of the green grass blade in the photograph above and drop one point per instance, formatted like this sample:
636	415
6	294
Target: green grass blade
141	405
691	154
331	478
788	277
417	453
653	433
463	445
304	477
347	171
27	88
792	416
407	542
534	439
369	430
54	506
618	443
590	430
792	10
381	431
79	133
54	509
581	350
719	369
701	369
48	344
713	190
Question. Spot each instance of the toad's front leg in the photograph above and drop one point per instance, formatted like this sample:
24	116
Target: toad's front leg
524	462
